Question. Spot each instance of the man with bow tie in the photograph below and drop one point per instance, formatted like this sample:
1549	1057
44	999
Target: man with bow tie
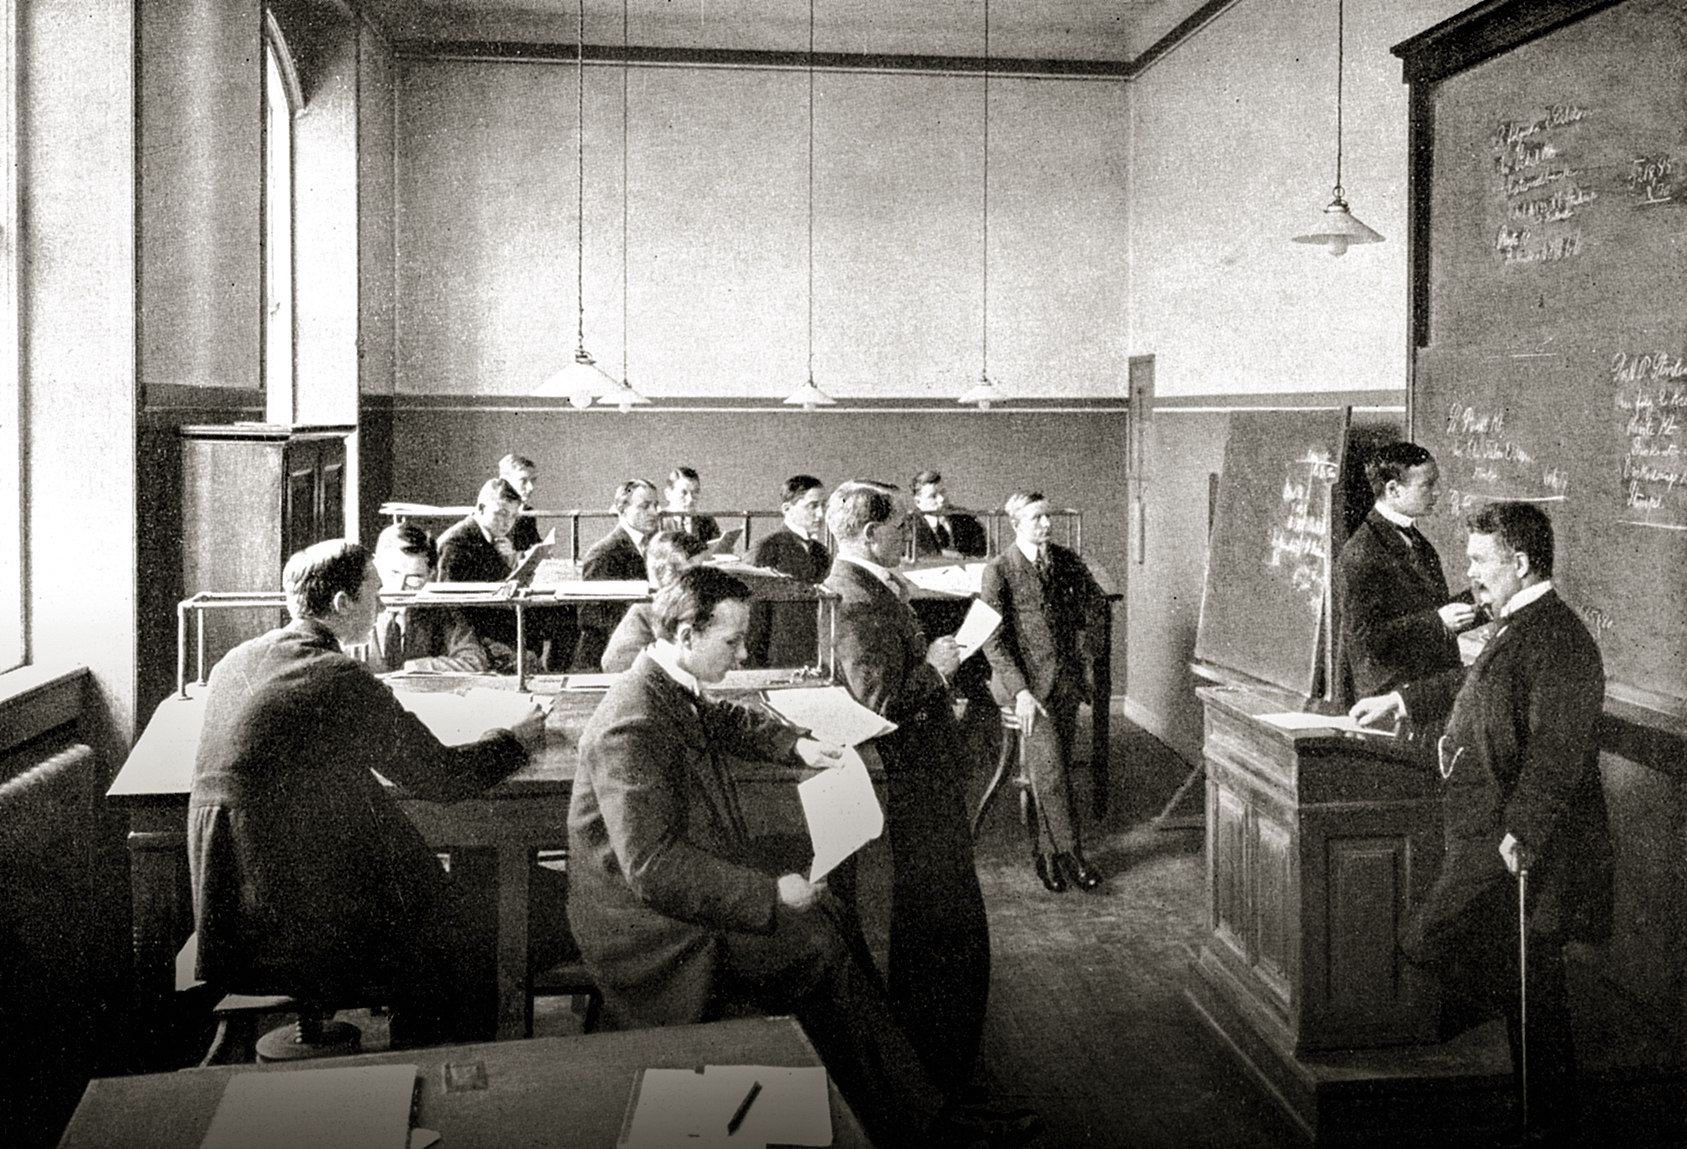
1522	791
1396	620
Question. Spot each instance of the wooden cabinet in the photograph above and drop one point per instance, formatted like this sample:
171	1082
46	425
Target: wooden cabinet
253	494
1317	845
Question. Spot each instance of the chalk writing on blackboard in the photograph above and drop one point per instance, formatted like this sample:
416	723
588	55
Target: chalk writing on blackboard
1300	540
1649	403
1540	187
1494	462
1651	179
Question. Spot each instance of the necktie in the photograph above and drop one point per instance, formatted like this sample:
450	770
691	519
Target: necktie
506	551
1044	565
392	643
940	528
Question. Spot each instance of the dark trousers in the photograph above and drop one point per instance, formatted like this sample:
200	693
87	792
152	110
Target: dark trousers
807	968
1048	755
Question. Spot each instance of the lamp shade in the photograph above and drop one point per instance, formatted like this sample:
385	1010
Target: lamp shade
983	393
580	382
808	397
1338	230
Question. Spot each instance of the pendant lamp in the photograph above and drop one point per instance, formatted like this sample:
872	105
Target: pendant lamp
581	381
809	396
1338	230
984	393
623	394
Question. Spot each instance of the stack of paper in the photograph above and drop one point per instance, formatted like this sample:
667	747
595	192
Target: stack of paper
674	1108
363	1107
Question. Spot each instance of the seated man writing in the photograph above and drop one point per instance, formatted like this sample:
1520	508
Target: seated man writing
669	907
419	638
307	877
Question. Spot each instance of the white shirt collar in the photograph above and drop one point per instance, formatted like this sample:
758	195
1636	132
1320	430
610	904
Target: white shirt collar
666	655
1026	549
1404	522
1524	597
883	574
638	537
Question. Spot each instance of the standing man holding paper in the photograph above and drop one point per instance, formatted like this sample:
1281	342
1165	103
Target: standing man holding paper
939	935
1044	593
671	909
1397	622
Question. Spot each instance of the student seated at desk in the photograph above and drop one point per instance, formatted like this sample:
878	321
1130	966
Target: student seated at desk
941	531
522	474
683	491
671	910
307	877
783	633
424	638
619	555
669	553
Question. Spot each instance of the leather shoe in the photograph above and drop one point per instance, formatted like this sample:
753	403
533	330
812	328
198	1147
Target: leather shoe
1085	876
1049	872
1000	1128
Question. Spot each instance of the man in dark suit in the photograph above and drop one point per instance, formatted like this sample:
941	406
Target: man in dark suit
939	529
1520	760
522	474
424	638
1397	622
682	493
478	549
1045	594
307	877
783	633
619	555
939	935
671	907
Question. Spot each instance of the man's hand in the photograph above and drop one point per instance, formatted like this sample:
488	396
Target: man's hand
1457	616
1026	708
798	893
819	755
944	656
530	731
1379	709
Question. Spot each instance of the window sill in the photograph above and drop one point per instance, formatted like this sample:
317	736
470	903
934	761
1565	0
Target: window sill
35	699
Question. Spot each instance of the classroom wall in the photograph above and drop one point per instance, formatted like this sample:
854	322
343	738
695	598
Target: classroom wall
717	230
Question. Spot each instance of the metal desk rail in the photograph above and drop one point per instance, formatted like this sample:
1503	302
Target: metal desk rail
998	529
764	585
401	511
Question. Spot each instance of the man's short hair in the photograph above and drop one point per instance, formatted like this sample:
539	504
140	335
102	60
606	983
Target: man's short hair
794	488
316	574
1018	501
693	597
1521	527
679	473
924	479
625	492
857	505
511	463
1390	464
669	552
409	539
495	491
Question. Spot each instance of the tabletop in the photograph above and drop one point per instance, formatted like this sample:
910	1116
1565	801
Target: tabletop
561	1092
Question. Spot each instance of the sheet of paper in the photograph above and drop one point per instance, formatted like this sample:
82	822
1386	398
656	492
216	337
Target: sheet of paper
1297	720
681	1107
981	622
830	712
457	719
596	680
842	811
960	579
603	588
363	1107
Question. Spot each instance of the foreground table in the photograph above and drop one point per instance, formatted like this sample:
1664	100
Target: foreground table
566	1092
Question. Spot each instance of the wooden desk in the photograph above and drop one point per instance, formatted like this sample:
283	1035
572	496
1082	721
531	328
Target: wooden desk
491	838
568	1091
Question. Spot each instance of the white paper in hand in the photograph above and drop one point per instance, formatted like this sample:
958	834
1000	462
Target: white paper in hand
843	813
981	622
831	712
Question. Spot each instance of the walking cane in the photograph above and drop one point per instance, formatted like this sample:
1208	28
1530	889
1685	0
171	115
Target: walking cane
1523	981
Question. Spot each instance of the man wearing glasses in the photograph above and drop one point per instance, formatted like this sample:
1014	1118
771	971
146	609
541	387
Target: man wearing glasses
424	638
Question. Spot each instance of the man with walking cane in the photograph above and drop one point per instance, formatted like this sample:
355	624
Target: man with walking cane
1528	860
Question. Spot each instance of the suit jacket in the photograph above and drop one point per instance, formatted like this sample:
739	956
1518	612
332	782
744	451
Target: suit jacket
1036	646
702	526
1386	599
524	536
783	633
615	556
466	555
307	877
1521	756
434	638
789	553
658	847
966	536
633	633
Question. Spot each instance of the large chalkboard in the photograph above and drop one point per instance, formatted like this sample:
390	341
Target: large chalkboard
1265	602
1549	272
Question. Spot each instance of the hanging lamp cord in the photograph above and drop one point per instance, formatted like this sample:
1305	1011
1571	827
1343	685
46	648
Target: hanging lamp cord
811	193
1340	60
580	172
984	369
626	192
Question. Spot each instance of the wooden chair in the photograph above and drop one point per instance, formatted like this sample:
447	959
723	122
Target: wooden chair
568	977
1013	751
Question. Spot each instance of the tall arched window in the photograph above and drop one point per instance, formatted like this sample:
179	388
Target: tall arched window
280	99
